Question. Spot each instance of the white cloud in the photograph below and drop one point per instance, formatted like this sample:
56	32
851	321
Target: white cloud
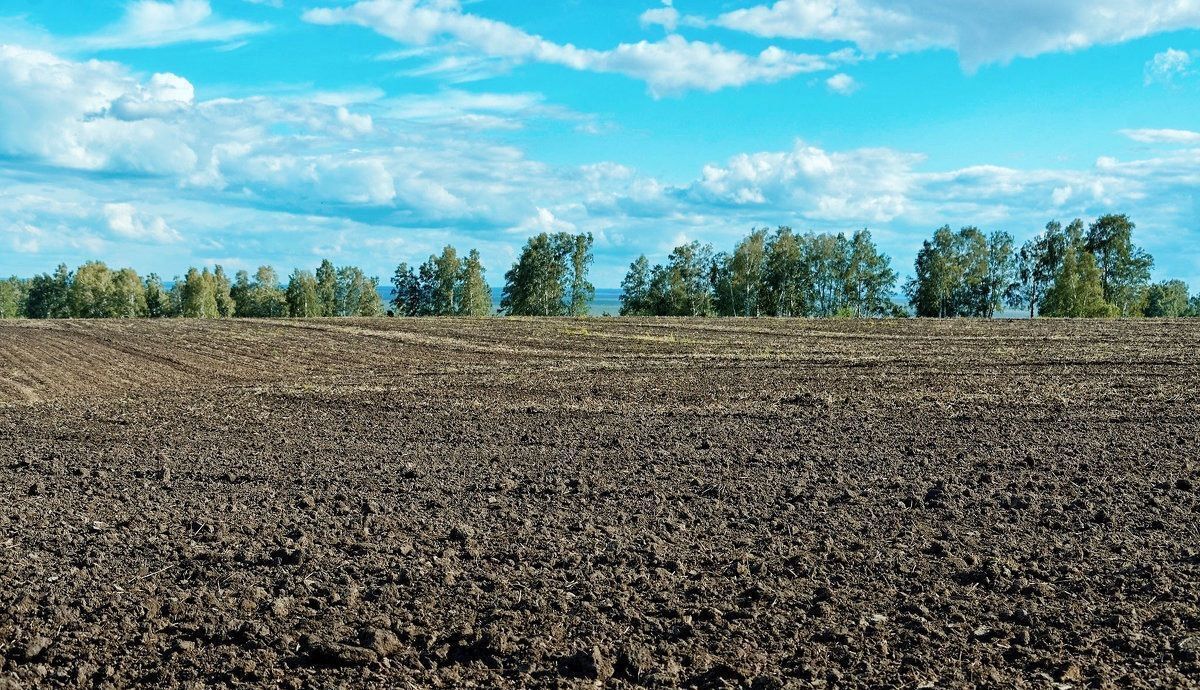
125	221
543	220
859	186
1168	66
163	95
1162	136
151	23
82	114
671	65
666	16
980	31
842	83
353	124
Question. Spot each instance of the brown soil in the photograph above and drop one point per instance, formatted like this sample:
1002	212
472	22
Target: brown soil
759	504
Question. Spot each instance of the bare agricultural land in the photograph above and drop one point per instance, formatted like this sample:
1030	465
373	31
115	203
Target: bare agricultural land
565	503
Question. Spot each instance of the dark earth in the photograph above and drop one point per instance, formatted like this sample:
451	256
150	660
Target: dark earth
551	503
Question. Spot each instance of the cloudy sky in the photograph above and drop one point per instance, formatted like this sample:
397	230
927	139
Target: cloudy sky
160	134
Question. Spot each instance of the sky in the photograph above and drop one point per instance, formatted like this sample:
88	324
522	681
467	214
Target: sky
160	134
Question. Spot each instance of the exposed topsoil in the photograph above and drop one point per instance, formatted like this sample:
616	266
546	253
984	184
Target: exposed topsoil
760	504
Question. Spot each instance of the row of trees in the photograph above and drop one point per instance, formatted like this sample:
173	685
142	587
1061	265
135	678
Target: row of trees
768	274
1073	271
442	286
95	291
549	278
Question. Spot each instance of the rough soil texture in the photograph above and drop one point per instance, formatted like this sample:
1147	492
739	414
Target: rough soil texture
507	503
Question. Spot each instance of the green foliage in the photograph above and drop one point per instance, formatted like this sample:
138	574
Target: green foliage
447	272
303	298
356	294
1168	299
1124	268
262	297
198	295
1069	271
96	292
127	295
444	285
1077	291
582	291
407	293
783	274
635	289
327	288
222	292
476	294
12	298
967	274
549	277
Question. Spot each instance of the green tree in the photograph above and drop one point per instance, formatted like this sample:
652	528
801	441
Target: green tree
689	276
747	270
476	294
90	291
447	272
222	292
198	295
1030	279
426	284
262	297
1168	299
535	285
50	295
1077	290
635	289
240	293
1124	268
327	288
127	297
964	273
582	290
788	283
406	292
12	298
870	280
303	301
356	294
158	299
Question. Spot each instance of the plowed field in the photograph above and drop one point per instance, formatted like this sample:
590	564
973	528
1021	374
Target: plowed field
512	503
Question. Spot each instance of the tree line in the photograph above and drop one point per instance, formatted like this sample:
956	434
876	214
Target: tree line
550	278
1072	271
1075	271
95	291
768	274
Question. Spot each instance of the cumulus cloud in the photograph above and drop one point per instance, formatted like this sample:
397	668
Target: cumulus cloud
842	83
90	115
151	23
125	221
669	66
1169	66
981	31
543	220
666	16
858	186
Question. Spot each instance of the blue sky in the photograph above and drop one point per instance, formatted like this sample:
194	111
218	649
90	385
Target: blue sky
161	134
